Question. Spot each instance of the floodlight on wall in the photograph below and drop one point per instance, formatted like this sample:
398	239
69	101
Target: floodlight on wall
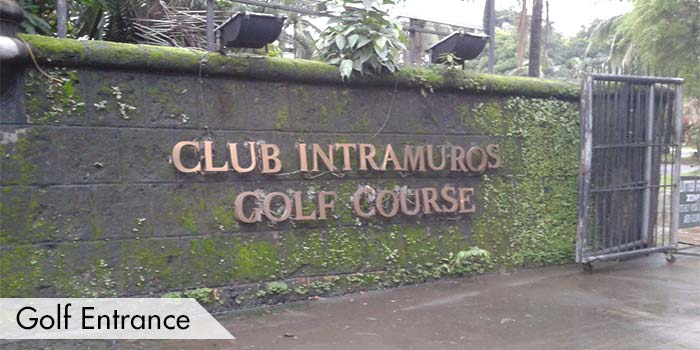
249	30
465	46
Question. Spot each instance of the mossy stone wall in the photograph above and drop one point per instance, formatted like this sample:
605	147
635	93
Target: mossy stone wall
91	205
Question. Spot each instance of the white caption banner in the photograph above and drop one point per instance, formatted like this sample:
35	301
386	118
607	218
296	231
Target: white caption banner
107	318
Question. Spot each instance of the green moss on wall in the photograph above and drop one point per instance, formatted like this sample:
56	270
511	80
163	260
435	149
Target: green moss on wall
334	107
164	95
23	221
18	158
55	97
256	260
23	271
385	248
61	50
529	215
94	280
422	245
225	260
187	220
346	250
108	54
303	253
526	210
149	265
210	261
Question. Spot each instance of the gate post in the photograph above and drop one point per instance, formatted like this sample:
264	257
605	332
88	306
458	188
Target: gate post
676	188
586	150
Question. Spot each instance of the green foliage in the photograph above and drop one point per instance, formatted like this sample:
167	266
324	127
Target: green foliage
322	287
273	288
450	60
203	295
39	16
474	260
301	290
278	288
94	19
693	138
363	38
172	295
663	35
562	57
538	229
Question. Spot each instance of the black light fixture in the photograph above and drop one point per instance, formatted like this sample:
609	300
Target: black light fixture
249	30
465	46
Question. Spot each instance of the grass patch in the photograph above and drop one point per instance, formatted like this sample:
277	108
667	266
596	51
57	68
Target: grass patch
667	179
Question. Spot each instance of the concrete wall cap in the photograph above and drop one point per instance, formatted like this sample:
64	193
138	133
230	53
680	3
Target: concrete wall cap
104	54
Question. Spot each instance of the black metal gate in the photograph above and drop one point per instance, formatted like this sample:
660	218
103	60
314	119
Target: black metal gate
629	167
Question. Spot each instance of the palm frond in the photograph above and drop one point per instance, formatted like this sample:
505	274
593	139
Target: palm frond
603	32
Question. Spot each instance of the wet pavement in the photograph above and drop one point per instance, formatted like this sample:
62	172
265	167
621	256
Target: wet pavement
644	303
639	304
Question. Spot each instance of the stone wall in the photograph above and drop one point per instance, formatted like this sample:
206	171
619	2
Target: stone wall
93	206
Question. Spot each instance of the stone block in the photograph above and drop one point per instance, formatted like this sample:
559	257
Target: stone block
115	98
88	155
145	155
122	212
28	155
174	101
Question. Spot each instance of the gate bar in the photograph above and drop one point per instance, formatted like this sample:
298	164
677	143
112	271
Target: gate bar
646	204
637	79
623	247
615	256
632	145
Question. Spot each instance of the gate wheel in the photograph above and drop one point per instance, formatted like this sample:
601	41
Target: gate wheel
587	267
670	258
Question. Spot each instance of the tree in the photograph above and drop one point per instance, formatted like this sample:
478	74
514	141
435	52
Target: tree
93	19
522	34
561	57
535	39
662	35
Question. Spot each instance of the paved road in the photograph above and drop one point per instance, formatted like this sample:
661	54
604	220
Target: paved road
639	304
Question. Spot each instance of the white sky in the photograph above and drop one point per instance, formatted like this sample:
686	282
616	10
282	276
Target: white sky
567	16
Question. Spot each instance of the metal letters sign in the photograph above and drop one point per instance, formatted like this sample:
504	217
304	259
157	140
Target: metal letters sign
690	202
266	158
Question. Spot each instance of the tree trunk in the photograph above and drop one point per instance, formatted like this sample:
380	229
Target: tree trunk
535	39
522	36
547	30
